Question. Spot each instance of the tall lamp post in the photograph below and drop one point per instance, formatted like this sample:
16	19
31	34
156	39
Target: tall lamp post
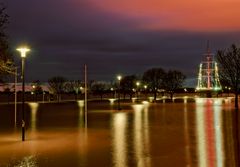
23	51
119	77
15	96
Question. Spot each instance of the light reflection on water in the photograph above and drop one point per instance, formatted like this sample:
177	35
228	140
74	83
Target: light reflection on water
218	133
119	129
141	135
29	161
186	136
81	118
132	137
209	132
34	109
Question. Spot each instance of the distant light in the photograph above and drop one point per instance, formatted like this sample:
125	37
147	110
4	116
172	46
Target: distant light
23	51
119	77
151	99
145	86
112	101
80	103
145	102
137	83
217	88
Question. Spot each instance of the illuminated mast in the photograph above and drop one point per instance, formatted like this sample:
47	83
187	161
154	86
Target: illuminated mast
208	78
208	66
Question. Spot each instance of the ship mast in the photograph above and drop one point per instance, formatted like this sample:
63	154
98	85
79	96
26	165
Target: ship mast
208	66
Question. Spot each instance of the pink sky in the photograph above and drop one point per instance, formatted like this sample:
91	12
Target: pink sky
193	15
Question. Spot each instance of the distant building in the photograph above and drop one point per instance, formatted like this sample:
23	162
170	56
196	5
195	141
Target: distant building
28	87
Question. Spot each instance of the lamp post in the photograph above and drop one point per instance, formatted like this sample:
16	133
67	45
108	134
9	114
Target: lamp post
145	88
23	51
112	91
34	92
137	83
119	81
15	97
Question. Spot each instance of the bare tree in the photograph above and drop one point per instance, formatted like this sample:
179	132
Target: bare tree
127	84
57	85
6	61
99	88
173	80
229	62
74	87
154	79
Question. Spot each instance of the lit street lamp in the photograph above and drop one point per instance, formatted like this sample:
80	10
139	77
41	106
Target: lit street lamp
137	91
145	90
119	81
23	51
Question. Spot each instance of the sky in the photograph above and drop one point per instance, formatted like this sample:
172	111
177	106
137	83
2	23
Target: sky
119	36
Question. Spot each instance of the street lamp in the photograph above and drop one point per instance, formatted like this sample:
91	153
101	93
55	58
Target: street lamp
145	90
119	77
23	51
229	90
137	83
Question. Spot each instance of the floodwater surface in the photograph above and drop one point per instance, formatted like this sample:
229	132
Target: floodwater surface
202	133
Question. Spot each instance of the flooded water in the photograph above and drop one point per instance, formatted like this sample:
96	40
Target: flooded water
201	133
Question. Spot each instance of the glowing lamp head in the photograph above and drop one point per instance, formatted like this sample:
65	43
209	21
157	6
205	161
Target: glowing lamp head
119	77
23	51
138	83
145	86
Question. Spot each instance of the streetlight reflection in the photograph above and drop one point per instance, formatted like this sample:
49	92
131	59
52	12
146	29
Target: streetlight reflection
119	128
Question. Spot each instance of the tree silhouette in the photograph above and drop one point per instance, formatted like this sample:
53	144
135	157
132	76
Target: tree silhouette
99	88
173	80
127	85
73	87
229	63
154	78
6	61
57	85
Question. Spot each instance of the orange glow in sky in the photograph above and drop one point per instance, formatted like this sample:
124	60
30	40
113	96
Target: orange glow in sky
191	15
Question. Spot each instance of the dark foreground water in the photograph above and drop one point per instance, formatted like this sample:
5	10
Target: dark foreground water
201	133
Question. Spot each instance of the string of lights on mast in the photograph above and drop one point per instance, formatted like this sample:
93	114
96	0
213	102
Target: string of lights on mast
208	75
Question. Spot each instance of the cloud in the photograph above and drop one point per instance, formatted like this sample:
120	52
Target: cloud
66	34
204	15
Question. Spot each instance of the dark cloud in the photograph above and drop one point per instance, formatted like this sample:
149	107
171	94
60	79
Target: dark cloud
64	37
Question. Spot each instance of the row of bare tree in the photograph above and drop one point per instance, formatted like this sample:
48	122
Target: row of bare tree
153	81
